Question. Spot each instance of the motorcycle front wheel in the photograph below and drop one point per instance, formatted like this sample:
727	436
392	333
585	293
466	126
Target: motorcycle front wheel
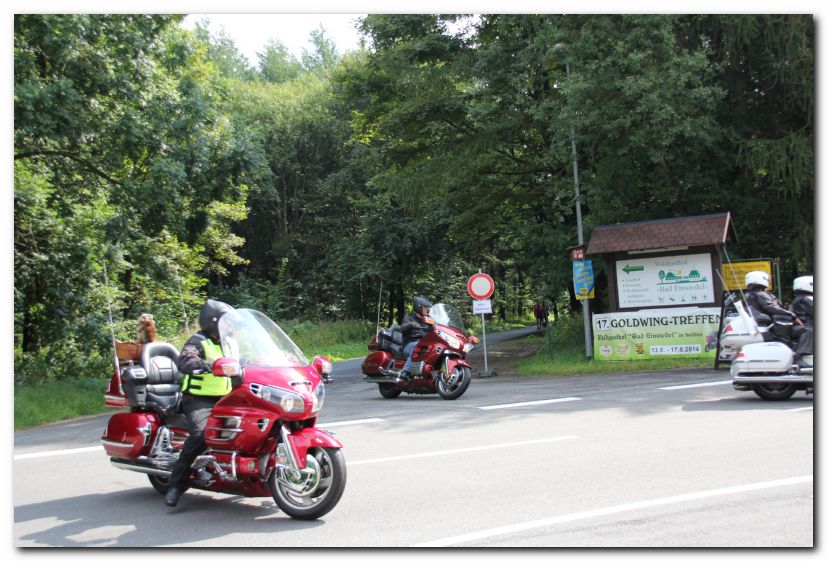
453	386
774	392
316	490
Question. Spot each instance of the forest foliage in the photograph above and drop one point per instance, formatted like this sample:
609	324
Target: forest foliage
155	165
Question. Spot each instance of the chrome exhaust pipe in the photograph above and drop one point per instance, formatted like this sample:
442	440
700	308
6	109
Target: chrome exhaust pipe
149	470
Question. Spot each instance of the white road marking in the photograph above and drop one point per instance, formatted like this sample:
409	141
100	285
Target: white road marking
534	524
721	383
459	450
527	403
353	422
48	453
810	408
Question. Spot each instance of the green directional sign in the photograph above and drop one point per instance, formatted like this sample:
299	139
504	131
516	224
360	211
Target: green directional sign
669	280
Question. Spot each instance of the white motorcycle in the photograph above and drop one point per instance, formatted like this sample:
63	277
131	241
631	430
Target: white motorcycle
764	362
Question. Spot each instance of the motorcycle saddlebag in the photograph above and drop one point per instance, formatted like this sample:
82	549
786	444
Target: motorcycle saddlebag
129	435
372	362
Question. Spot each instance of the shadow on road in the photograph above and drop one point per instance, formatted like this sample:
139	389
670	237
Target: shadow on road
139	518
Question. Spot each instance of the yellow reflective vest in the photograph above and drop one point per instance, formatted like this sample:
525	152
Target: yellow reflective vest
205	383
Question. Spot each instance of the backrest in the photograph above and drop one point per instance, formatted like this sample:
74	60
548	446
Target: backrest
396	334
163	378
160	361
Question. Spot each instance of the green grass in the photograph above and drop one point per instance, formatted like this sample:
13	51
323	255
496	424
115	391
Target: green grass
563	354
57	401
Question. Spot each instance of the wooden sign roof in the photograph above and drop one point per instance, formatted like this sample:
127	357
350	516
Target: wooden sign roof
711	229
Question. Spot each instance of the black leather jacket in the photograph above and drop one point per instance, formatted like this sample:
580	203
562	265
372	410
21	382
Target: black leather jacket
191	358
766	303
802	307
413	328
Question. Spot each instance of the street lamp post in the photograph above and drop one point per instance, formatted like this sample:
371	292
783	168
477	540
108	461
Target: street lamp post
587	324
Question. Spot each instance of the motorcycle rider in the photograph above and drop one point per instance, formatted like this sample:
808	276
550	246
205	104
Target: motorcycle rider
201	391
803	309
759	299
414	327
766	303
802	305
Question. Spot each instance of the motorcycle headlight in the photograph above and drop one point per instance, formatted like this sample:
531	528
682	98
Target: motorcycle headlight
318	398
290	402
450	339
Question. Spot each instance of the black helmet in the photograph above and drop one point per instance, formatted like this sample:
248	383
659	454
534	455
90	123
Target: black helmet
420	302
211	312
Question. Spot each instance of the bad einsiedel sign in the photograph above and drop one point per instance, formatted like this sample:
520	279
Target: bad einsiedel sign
665	281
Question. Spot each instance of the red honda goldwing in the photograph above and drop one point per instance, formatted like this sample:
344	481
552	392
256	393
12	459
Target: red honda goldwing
261	438
438	361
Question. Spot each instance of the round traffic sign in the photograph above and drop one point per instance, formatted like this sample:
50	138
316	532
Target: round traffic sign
480	286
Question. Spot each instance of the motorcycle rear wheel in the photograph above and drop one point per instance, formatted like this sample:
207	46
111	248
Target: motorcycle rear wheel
321	490
161	484
389	391
453	388
774	392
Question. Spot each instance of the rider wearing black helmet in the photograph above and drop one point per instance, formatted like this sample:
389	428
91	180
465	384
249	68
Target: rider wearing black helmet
201	391
414	327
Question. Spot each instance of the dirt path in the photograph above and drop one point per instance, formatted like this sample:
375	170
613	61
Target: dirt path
504	357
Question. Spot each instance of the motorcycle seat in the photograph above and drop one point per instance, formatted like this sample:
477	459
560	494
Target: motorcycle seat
163	380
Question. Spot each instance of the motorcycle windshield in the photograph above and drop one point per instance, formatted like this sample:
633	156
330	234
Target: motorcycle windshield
253	338
447	315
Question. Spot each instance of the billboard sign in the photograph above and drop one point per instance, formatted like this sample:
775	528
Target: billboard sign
665	281
645	334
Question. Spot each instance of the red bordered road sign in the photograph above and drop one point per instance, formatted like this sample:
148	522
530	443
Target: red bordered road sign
480	286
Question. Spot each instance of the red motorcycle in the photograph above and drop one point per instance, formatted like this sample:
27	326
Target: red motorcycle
261	438
438	363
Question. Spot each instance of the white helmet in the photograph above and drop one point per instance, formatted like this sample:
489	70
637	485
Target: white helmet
805	284
757	277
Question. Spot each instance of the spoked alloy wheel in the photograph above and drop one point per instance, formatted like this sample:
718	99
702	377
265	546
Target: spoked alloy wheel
774	392
316	490
454	385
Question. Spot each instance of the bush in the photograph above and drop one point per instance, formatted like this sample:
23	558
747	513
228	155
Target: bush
59	362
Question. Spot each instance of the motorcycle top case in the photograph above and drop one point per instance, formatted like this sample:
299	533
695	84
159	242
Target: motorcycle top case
129	434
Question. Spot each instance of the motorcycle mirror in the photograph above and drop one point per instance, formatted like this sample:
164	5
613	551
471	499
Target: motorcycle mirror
429	320
323	366
226	367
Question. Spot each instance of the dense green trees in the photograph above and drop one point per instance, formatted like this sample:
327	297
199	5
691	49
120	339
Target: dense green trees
301	185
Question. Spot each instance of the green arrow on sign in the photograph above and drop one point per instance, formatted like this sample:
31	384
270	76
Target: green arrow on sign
628	268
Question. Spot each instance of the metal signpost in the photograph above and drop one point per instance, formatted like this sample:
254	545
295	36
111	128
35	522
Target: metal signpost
481	287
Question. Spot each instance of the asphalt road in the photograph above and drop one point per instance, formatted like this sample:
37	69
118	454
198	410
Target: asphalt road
663	459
